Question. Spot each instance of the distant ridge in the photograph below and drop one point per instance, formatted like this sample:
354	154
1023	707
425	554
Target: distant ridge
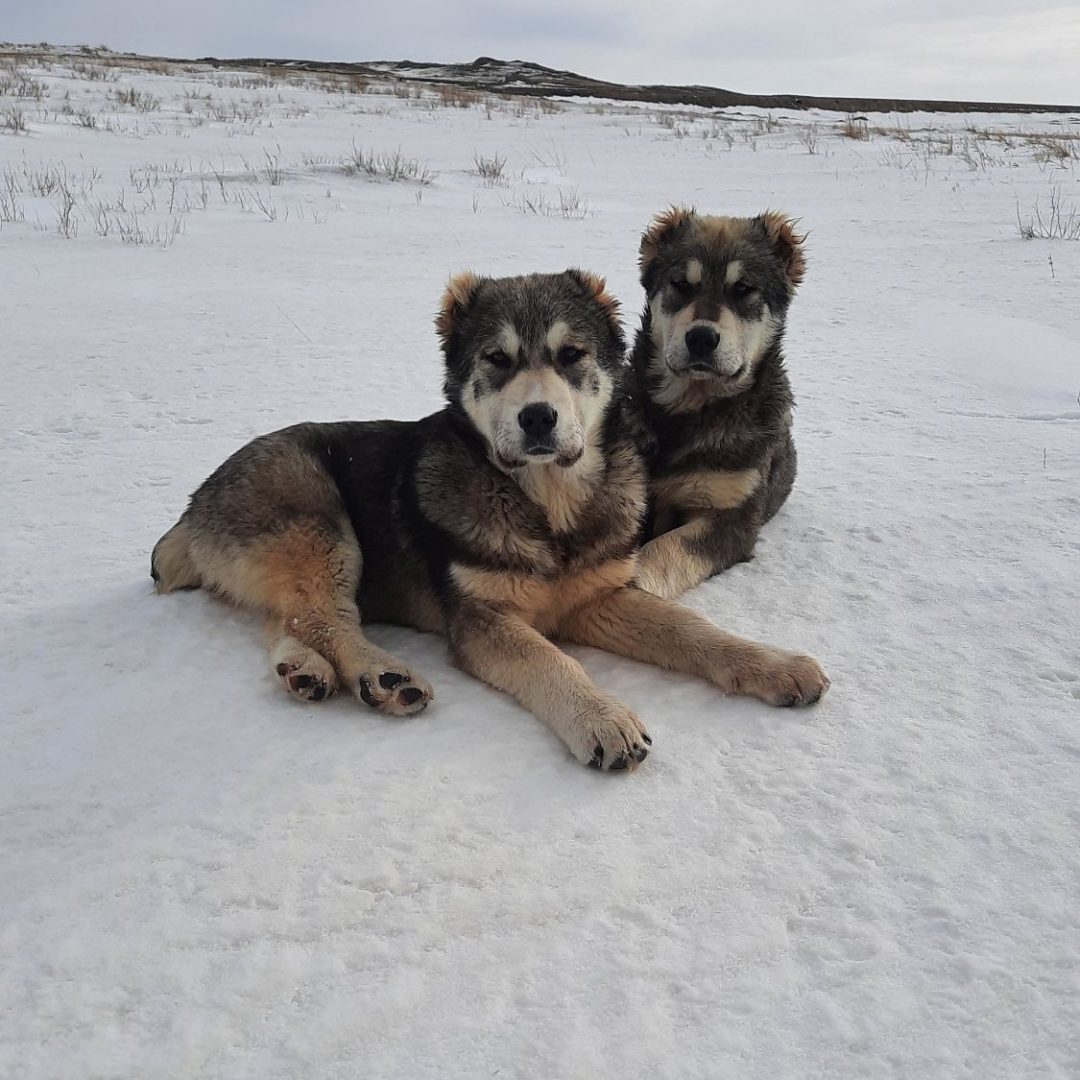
526	77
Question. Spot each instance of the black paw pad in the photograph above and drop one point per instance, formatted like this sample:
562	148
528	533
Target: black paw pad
366	696
282	669
640	753
646	738
389	679
620	763
411	695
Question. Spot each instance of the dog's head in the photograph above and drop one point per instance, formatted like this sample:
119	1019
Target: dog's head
718	289
532	362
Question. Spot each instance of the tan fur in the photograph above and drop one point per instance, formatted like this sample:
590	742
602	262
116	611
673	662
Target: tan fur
788	242
720	229
706	489
172	560
459	293
562	492
599	290
659	228
541	602
668	567
309	582
648	628
505	652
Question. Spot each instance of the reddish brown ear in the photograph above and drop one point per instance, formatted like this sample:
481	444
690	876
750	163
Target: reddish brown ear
786	242
661	229
460	292
598	287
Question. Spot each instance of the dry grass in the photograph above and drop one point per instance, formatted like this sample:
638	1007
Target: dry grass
855	127
808	136
457	97
393	166
492	170
1054	222
139	100
18	85
571	205
13	119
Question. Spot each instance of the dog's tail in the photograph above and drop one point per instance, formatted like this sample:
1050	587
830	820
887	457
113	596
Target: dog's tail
171	564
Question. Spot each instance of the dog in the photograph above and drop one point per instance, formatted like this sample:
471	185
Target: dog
710	394
510	517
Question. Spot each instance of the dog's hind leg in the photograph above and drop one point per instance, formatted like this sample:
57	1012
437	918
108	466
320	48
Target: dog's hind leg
171	565
305	574
306	674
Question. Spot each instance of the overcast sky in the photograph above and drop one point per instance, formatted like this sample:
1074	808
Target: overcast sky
993	50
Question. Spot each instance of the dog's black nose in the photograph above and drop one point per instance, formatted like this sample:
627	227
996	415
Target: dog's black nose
701	340
538	421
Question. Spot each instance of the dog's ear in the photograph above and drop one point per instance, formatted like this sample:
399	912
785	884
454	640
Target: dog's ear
596	287
786	243
460	293
662	228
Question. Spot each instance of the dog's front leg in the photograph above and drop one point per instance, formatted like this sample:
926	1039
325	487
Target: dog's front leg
645	627
507	653
707	544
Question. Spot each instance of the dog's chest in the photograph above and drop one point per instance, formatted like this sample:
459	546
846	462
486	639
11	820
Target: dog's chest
542	552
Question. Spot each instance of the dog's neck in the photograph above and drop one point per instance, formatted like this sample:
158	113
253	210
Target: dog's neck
564	491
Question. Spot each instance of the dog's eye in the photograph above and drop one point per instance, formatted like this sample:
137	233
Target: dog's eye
741	289
497	358
570	354
681	285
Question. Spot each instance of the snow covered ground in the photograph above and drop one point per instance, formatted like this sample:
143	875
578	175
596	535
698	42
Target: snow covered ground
201	878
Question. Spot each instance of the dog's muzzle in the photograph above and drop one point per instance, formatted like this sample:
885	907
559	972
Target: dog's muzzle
701	360
537	423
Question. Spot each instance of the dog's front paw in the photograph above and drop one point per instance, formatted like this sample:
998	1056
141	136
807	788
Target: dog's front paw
396	691
787	679
611	738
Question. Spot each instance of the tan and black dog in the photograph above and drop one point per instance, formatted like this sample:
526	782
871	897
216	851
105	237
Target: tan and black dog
710	390
510	517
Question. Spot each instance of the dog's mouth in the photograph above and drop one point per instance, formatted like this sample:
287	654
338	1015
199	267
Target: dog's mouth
538	455
700	371
540	450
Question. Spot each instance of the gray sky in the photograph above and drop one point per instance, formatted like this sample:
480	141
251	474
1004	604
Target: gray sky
1015	51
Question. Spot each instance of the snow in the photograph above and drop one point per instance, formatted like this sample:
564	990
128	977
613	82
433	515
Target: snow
202	878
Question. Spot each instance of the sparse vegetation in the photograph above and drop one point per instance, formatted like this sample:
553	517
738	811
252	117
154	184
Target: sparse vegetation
1054	222
571	204
492	170
808	136
137	99
13	119
393	166
855	127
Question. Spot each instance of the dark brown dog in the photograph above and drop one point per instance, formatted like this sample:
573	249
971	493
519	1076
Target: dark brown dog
710	391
